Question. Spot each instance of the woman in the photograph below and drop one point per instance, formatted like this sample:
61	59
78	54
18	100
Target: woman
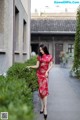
44	64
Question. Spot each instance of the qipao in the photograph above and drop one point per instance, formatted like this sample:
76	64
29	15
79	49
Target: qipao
42	79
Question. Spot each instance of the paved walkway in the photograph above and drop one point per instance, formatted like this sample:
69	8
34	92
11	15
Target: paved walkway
64	97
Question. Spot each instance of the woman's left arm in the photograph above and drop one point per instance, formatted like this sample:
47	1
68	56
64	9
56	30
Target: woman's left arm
50	66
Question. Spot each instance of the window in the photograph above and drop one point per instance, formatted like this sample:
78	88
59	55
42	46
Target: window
70	48
16	29
24	35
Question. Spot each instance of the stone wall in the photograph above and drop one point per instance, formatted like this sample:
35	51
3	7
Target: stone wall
14	33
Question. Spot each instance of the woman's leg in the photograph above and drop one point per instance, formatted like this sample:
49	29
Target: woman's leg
45	104
42	104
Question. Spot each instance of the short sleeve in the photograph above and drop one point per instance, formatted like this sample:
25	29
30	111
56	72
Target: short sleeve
51	58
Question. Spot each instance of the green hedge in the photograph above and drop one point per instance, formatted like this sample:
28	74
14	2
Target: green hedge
76	65
19	71
16	91
16	99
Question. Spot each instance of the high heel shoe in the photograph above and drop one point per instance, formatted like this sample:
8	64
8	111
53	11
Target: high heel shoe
41	112
45	116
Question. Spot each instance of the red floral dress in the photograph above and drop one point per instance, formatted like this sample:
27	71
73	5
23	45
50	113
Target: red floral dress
42	79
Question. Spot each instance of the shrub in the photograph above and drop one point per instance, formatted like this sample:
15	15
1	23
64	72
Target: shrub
19	71
76	66
16	89
16	99
15	70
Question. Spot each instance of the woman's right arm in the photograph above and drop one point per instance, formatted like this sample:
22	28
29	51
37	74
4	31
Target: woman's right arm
34	66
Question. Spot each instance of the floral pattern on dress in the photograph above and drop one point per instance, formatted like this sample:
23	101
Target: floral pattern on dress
42	79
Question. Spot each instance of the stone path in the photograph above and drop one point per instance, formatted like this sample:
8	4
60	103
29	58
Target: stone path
64	97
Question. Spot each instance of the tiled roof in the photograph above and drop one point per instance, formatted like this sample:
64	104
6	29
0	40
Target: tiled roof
38	25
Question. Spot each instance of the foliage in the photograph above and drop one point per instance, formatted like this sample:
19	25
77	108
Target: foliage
76	66
16	91
16	98
20	70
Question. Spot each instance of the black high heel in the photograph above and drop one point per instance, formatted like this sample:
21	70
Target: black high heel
41	112
45	116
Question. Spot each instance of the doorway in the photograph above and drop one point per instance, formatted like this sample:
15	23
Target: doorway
58	49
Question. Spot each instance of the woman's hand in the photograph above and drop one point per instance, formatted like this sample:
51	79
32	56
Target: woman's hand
28	67
46	74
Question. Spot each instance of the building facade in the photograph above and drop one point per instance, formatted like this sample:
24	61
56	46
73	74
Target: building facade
14	32
56	31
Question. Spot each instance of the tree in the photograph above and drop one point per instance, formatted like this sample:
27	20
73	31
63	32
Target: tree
76	65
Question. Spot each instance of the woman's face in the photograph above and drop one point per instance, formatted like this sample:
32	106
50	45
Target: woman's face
41	51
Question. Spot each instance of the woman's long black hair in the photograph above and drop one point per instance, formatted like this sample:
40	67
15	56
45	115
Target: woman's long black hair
44	48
